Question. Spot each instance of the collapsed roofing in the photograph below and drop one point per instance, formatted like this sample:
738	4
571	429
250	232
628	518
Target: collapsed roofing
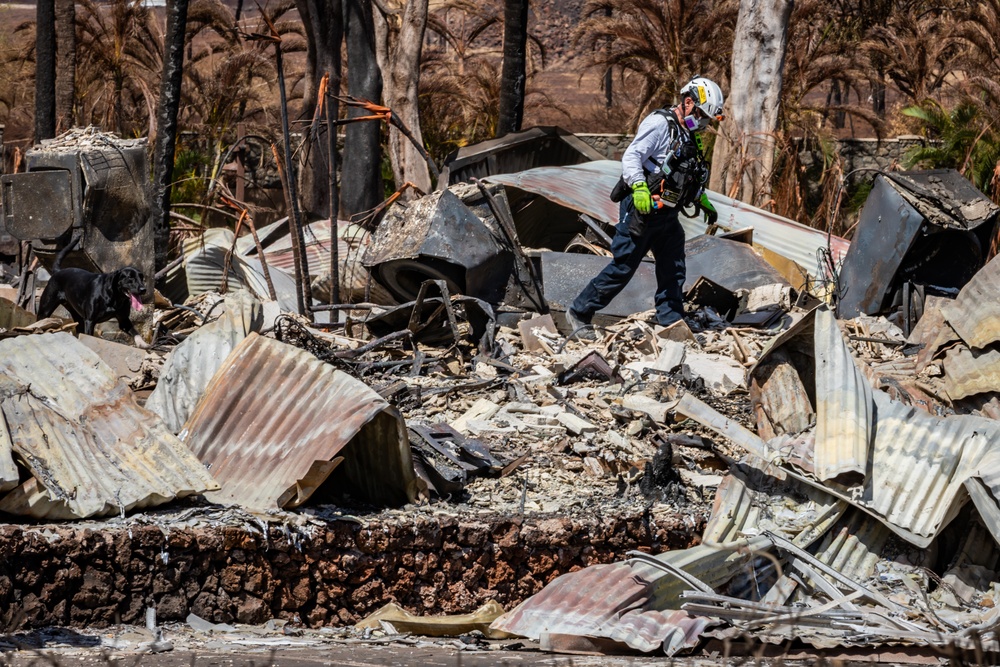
848	459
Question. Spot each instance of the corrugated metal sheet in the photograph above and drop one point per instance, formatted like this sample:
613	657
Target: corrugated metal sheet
272	413
919	465
844	406
80	432
201	271
854	546
843	395
632	603
975	313
585	188
931	331
919	462
969	372
351	243
190	366
770	501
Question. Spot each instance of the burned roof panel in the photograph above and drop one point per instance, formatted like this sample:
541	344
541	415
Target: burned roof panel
82	435
274	416
632	603
915	227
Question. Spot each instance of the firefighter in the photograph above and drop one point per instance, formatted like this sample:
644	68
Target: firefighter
663	171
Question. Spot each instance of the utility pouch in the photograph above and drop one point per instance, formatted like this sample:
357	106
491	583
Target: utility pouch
620	191
636	223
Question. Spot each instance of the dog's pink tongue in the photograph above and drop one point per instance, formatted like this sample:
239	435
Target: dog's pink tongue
134	300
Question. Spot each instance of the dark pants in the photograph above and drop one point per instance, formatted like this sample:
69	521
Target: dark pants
665	237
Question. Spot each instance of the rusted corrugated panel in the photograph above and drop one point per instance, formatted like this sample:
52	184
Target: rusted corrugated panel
273	411
635	604
843	406
975	313
969	372
585	188
82	435
191	365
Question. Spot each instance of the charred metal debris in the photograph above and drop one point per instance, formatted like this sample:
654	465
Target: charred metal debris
830	407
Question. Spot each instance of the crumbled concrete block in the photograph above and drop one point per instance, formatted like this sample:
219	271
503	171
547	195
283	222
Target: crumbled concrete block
575	425
481	410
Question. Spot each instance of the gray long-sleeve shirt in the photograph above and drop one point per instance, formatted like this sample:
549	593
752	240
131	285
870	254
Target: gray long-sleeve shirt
654	140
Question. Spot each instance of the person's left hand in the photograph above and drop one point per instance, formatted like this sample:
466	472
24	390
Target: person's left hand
711	215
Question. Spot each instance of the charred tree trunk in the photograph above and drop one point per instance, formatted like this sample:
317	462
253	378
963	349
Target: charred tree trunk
45	70
400	65
65	12
513	75
166	131
324	25
744	151
361	181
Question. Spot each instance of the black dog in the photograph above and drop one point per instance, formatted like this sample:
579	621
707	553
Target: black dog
96	297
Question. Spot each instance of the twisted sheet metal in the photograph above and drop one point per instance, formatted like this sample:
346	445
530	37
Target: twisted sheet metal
920	464
970	372
203	266
745	507
92	450
274	418
585	188
190	366
632	603
975	313
931	331
843	406
351	243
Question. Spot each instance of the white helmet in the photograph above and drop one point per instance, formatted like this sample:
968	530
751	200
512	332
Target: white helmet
706	94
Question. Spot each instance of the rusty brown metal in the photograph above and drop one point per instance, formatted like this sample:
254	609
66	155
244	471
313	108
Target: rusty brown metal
274	418
630	603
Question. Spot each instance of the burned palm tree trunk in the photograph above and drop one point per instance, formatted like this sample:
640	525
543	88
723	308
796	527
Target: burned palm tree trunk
45	69
361	177
513	75
323	23
166	134
65	28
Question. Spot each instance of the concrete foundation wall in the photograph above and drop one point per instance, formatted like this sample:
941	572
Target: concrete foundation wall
81	577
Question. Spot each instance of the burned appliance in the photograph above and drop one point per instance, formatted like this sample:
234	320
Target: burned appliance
439	237
88	185
919	232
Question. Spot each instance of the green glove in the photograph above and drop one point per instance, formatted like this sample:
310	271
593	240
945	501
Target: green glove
711	215
641	198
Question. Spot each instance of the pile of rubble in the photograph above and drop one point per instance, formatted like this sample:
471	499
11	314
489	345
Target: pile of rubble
828	463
